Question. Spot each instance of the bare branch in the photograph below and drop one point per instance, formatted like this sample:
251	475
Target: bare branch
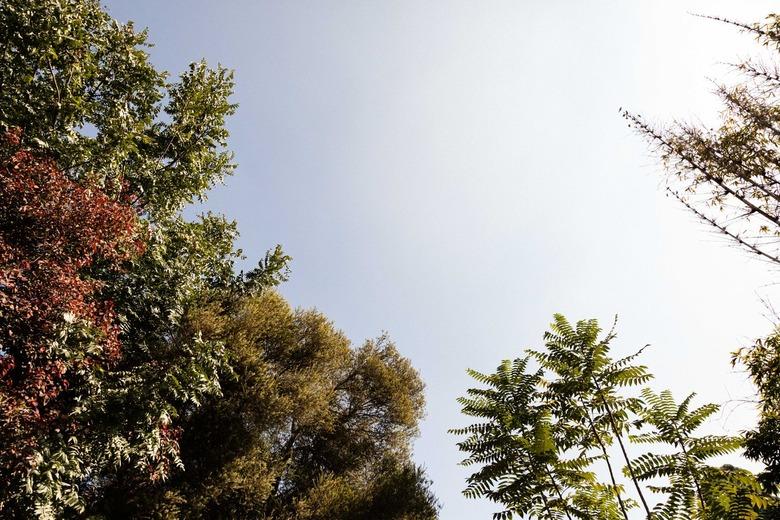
725	230
755	28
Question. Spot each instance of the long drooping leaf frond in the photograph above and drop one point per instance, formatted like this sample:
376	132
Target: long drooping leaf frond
693	489
517	443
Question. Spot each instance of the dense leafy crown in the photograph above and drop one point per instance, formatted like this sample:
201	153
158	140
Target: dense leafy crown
140	376
79	84
107	153
762	361
306	427
56	325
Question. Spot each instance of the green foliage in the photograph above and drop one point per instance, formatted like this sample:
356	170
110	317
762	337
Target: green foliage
728	175
762	361
221	401
513	443
81	87
672	425
734	494
586	388
78	88
272	270
306	427
542	432
398	492
535	440
596	501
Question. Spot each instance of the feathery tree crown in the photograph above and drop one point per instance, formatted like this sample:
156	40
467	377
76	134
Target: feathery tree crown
546	433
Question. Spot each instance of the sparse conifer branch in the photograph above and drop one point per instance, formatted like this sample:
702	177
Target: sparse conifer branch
723	229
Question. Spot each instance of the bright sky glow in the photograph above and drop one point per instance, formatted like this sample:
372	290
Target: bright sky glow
454	172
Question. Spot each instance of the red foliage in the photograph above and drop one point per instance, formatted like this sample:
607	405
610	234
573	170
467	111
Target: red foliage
55	236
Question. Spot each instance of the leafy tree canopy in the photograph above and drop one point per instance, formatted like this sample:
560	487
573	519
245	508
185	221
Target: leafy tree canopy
106	150
307	426
543	432
762	361
80	85
140	376
57	328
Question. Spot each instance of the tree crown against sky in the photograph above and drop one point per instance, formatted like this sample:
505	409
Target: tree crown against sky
539	428
78	90
306	426
729	176
127	147
110	384
551	423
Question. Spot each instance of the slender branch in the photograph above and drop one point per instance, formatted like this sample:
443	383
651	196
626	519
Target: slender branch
558	491
724	230
546	505
615	487
57	88
725	187
704	171
177	157
54	80
287	453
622	448
759	71
743	107
744	171
755	29
691	469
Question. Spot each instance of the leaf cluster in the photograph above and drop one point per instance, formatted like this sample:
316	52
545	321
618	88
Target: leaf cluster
306	426
545	434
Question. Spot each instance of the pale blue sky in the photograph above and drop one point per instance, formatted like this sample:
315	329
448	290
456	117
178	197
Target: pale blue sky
454	172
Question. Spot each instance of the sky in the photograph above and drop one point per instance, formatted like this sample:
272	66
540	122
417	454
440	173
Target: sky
455	172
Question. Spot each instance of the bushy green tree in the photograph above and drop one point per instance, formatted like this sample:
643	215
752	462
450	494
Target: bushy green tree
80	85
762	361
77	87
521	446
307	426
220	401
585	389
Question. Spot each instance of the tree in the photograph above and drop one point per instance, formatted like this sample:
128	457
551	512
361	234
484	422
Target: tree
78	91
762	361
586	390
306	427
521	446
542	433
152	370
729	177
58	327
672	425
80	85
